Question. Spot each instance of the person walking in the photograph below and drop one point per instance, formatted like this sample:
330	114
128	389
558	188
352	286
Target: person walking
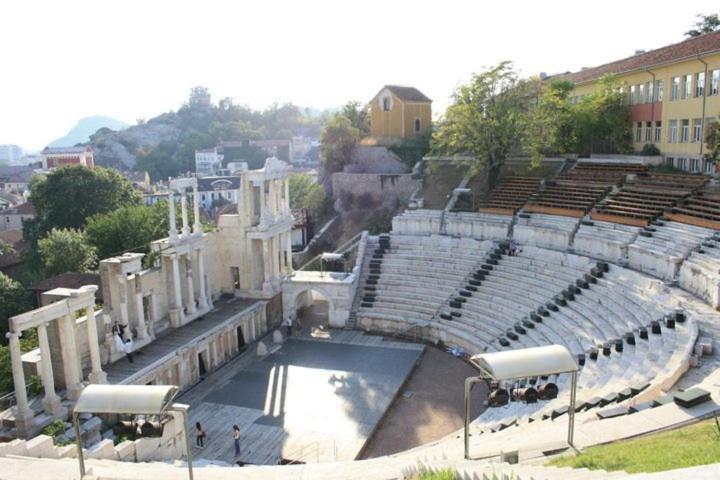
288	326
236	439
199	435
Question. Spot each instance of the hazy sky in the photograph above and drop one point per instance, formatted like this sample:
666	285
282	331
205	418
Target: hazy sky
63	60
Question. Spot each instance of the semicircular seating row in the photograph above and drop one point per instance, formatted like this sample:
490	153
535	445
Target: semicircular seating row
418	278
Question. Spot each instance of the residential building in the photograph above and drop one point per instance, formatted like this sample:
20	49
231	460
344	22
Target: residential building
15	179
397	113
208	162
673	122
10	154
12	218
54	157
215	191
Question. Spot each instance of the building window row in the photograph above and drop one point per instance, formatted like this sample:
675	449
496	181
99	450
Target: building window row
691	164
686	134
648	132
693	85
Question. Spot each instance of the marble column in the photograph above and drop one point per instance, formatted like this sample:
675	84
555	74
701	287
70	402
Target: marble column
264	218
96	373
266	264
123	300
184	212
171	212
288	250
140	310
71	362
197	226
23	415
176	287
203	299
190	285
51	402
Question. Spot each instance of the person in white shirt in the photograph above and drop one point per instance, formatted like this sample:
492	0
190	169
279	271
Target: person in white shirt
288	326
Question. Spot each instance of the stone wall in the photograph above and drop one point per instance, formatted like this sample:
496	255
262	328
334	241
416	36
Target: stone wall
382	187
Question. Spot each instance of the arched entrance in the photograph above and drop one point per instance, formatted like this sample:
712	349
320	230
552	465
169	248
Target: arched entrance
312	308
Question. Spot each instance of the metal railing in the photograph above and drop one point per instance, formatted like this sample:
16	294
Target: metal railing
298	456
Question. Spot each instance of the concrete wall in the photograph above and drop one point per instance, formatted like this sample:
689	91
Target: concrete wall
700	282
382	187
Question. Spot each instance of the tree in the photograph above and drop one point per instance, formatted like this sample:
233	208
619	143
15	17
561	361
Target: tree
338	140
127	228
66	250
551	128
305	193
712	140
358	115
704	24
14	299
602	120
68	196
486	120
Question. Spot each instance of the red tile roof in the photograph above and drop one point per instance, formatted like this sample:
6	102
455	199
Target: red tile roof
408	94
692	47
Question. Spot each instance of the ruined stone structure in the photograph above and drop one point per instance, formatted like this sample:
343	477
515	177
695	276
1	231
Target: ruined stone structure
248	256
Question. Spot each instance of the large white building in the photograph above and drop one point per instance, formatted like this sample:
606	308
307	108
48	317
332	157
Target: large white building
10	154
208	162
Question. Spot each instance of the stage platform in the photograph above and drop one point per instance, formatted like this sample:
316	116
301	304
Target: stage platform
308	400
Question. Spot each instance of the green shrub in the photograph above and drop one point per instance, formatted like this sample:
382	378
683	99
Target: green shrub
650	150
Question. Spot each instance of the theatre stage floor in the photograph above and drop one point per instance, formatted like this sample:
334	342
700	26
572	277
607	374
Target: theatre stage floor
308	400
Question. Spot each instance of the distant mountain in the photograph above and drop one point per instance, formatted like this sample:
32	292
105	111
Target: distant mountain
81	132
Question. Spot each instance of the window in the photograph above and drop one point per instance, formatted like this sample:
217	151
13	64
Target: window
694	163
687	90
697	130
700	84
684	131
417	125
633	94
638	132
641	93
673	131
658	131
681	163
675	88
660	90
648	132
386	104
650	98
715	82
709	167
670	161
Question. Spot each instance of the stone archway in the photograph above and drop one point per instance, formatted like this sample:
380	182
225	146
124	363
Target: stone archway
313	307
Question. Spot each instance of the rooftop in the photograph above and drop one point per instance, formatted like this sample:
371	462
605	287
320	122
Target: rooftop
64	150
687	49
409	94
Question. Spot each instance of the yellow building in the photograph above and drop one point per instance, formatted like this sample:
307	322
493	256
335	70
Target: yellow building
674	92
397	113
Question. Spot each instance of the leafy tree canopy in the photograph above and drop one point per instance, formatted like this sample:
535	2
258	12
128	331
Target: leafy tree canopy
14	299
305	193
66	250
487	118
358	115
704	24
127	228
712	140
68	196
338	140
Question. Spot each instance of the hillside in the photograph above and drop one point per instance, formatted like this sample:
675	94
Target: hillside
85	127
165	145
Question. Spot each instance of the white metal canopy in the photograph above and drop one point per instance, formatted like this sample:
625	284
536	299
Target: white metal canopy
526	362
131	399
